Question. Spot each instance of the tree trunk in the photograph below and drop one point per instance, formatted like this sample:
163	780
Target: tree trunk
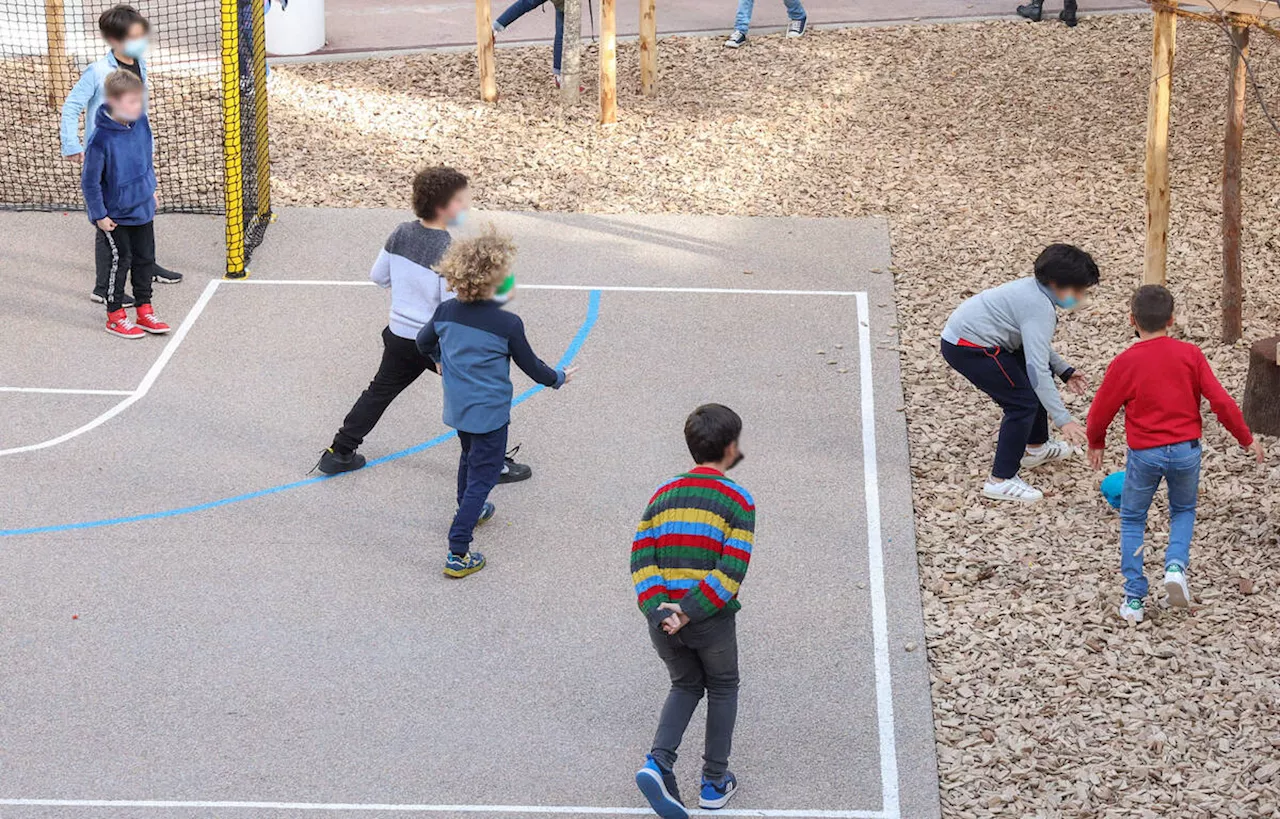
60	78
608	62
484	52
1262	387
571	59
1232	276
648	47
1157	167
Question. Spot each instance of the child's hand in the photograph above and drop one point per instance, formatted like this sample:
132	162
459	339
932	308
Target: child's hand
106	224
676	621
1257	450
568	376
156	196
1095	458
1078	383
76	158
1075	434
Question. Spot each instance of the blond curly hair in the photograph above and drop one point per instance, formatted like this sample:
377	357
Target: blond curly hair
475	267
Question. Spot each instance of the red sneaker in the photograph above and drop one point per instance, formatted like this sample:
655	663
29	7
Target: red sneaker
147	321
118	324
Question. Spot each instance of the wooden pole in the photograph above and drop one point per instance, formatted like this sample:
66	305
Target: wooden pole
484	52
1232	275
571	58
55	26
608	62
1157	166
648	47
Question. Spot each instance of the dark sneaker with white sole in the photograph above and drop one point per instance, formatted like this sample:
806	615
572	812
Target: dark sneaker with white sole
100	298
715	795
797	27
661	789
166	276
335	463
513	472
736	40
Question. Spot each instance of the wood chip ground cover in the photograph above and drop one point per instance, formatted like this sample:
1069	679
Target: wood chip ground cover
981	143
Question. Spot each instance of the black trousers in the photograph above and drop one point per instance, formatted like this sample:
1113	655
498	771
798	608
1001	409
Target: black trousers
479	468
129	250
401	365
1002	374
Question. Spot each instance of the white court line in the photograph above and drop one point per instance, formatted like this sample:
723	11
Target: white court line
143	388
408	808
605	288
58	391
875	561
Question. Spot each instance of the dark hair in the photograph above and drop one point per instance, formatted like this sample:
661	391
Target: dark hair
121	82
1152	307
709	430
433	188
116	21
1066	266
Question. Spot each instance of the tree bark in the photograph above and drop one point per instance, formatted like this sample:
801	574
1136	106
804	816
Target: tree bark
484	52
571	59
1262	387
1232	275
1157	166
608	62
648	47
60	78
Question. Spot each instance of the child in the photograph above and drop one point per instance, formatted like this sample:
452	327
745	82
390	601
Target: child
476	341
688	559
795	11
125	31
1159	381
1000	340
441	199
519	9
119	186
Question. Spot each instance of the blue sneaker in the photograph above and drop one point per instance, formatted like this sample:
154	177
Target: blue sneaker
716	795
797	27
660	788
463	565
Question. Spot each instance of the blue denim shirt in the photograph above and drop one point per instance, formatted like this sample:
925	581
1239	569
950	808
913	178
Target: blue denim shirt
86	98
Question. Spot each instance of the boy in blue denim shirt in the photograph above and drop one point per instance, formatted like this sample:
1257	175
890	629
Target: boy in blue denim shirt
125	30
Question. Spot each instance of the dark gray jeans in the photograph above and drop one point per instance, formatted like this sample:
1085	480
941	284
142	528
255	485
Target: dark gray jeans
702	656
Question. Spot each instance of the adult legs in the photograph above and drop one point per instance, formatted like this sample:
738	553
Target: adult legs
716	643
142	242
1142	473
687	685
401	365
517	10
482	463
1183	479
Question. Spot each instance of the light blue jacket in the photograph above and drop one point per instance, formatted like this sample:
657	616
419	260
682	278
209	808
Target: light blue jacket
86	98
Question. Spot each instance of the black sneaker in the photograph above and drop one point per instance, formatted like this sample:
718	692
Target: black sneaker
99	298
166	276
513	472
332	463
1068	14
736	40
797	27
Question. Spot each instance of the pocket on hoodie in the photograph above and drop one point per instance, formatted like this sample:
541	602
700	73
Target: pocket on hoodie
131	195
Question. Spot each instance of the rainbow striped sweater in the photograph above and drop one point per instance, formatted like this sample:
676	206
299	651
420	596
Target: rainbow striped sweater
693	545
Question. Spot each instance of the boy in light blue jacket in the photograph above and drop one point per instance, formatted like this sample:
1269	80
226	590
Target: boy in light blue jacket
125	30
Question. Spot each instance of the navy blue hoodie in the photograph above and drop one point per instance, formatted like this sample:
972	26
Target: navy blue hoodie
119	179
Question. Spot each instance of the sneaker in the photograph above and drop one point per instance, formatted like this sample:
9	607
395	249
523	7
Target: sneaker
736	40
1068	13
101	298
463	565
660	788
498	27
716	795
166	276
1133	610
1014	489
147	321
1048	452
486	513
1175	585
513	472
335	463
118	324
797	27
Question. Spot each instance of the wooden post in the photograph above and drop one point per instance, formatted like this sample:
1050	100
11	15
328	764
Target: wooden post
484	52
1261	403
1232	276
608	62
571	57
648	47
1157	166
55	27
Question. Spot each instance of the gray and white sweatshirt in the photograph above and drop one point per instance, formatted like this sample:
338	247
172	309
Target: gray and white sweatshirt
1017	315
406	264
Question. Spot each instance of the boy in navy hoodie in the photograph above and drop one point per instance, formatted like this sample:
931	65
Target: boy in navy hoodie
119	184
475	341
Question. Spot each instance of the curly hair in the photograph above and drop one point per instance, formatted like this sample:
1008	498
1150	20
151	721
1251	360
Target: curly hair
475	267
433	188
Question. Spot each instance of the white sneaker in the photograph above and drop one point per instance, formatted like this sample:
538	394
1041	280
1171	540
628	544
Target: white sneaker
1175	585
1133	610
1013	489
1051	451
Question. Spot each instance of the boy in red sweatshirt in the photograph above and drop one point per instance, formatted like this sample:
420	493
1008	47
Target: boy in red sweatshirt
1159	381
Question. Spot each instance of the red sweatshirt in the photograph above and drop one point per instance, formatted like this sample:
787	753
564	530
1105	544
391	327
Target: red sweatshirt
1159	382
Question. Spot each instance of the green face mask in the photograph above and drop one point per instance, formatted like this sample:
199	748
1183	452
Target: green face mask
503	294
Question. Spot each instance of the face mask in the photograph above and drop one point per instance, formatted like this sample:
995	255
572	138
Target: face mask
135	48
1067	302
504	291
459	220
737	460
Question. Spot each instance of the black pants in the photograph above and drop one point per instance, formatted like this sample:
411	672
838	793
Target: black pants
701	657
401	365
129	249
479	467
1002	374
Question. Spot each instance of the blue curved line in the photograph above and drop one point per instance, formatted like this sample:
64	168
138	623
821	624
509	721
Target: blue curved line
570	353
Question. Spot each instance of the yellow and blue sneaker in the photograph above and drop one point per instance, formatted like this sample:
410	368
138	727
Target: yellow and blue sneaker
716	795
463	565
660	788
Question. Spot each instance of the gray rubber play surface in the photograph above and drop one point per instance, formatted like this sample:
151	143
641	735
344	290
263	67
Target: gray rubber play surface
193	626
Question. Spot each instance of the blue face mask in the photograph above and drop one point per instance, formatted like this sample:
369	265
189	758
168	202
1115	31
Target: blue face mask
1067	302
459	220
135	48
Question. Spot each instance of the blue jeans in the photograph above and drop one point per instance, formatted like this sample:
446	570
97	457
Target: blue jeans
479	467
1179	466
795	10
520	8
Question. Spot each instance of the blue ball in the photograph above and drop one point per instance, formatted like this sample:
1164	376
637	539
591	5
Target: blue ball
1112	486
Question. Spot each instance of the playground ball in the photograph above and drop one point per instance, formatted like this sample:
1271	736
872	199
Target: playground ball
1112	486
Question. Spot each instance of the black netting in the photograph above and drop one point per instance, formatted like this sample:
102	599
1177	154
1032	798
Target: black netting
45	47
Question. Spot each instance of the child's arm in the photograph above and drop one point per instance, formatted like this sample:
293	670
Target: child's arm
522	355
380	274
428	340
1221	402
74	106
715	590
1110	397
1037	338
91	183
651	588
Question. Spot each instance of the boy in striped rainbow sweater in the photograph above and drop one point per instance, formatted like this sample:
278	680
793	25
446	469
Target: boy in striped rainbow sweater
688	559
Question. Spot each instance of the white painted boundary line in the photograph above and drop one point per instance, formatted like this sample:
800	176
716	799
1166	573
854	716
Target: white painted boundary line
143	388
57	391
604	288
407	808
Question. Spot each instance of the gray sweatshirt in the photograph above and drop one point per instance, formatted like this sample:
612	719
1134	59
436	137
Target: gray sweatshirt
1017	315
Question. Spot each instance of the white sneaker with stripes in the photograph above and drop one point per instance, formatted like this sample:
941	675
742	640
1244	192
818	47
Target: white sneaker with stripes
1013	489
1047	453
